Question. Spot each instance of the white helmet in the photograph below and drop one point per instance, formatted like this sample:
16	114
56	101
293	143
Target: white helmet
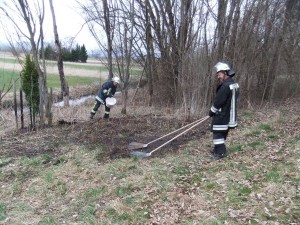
116	79
220	66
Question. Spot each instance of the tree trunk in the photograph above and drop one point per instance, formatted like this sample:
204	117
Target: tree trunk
16	106
60	64
109	37
124	101
21	108
234	29
221	20
149	62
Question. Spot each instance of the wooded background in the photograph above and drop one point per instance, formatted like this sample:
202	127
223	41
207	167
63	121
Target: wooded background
177	43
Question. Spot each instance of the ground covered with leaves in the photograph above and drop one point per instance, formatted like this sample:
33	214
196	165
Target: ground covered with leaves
112	136
81	172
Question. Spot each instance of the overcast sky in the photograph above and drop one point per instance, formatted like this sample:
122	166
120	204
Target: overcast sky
69	22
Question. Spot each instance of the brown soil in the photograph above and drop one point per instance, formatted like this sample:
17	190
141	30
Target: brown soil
111	137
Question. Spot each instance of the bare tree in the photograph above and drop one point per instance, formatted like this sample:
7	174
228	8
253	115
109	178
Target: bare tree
32	16
232	29
291	47
169	30
123	46
109	22
60	63
116	20
177	43
100	17
144	47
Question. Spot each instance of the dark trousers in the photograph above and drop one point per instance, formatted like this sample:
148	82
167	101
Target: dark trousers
96	107
219	139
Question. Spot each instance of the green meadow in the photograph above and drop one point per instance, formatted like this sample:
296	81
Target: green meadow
7	76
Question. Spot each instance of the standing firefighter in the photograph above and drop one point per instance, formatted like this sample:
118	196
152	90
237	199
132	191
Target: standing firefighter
108	89
223	111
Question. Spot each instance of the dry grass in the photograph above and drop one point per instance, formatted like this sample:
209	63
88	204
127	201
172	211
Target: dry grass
69	184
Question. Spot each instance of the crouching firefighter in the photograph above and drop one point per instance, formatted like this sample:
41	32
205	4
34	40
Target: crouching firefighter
223	111
108	89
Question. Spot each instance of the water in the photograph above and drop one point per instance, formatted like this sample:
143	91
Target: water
78	101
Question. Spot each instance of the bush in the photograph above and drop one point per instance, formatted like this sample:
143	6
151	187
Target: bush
30	84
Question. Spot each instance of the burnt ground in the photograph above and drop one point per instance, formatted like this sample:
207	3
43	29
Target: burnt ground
111	137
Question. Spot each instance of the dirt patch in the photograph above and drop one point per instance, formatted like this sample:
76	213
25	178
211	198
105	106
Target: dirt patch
110	137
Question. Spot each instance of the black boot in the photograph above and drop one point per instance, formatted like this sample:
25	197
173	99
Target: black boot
91	115
219	152
218	156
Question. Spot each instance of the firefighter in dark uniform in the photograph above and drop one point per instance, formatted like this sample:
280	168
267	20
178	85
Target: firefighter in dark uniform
108	89
223	111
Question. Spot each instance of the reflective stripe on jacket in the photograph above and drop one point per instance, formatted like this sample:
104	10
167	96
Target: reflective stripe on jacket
224	106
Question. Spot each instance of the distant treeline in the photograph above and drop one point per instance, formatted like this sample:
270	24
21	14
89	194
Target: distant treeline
77	54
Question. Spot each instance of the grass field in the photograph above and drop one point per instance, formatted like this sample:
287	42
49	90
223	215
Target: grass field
70	65
6	76
66	64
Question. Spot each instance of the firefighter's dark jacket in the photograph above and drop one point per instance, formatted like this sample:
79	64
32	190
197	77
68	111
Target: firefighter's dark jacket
107	87
224	106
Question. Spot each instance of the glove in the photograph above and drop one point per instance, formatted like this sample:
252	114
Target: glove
211	113
108	93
